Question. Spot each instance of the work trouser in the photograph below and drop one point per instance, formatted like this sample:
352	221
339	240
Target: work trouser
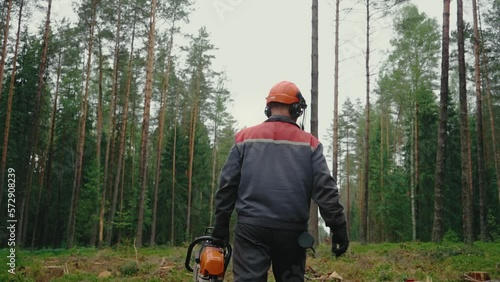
257	247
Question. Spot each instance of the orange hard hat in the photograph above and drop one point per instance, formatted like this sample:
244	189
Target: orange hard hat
284	92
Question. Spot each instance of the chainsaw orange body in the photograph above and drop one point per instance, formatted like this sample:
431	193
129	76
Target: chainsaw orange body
211	262
211	259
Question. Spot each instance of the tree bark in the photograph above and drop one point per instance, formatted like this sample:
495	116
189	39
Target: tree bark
2	66
145	126
41	176
192	136
416	176
110	144
214	168
41	84
336	96
83	121
33	141
174	147
114	94
313	213
366	149
9	113
348	187
99	136
496	153
161	118
464	132
438	225
4	46
479	128
50	150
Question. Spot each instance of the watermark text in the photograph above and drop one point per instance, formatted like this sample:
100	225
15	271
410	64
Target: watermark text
11	220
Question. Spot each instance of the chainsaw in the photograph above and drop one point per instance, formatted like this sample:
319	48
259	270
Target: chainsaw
211	259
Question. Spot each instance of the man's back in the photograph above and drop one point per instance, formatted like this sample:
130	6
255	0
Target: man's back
276	175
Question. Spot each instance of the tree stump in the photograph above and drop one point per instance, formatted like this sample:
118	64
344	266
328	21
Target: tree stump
477	276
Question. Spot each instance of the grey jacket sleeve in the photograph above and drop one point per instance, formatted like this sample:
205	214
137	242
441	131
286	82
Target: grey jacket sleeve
225	197
325	192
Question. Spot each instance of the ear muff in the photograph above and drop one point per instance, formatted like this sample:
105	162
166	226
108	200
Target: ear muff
267	111
296	109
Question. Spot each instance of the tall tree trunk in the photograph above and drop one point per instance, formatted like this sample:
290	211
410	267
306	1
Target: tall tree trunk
9	113
107	189
114	94
479	128
416	176
366	149
83	122
41	176
313	213
50	150
2	65
57	225
6	26
214	168
145	125
192	136
438	225
122	188
41	82
161	118
99	135
33	141
348	179
496	152
174	147
132	148
336	96
172	212
464	132
381	172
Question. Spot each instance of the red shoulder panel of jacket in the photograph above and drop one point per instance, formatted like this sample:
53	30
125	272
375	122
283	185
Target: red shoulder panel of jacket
278	131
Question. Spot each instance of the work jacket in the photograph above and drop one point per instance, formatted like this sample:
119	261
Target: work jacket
272	172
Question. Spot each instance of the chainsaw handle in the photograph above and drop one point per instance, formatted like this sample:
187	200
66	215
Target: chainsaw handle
190	250
227	255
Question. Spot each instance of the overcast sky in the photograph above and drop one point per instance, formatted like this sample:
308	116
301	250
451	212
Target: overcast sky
261	42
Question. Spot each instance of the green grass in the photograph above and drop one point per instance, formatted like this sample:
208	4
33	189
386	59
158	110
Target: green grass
374	262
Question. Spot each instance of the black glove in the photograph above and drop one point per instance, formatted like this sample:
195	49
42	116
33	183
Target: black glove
221	233
340	240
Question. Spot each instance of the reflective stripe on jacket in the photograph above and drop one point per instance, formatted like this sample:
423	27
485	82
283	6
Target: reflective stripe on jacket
272	172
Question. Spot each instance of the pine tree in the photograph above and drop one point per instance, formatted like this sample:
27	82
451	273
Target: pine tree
437	229
82	126
145	125
9	114
38	105
479	126
464	133
366	161
313	213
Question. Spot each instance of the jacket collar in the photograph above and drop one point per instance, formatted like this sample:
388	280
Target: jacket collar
279	118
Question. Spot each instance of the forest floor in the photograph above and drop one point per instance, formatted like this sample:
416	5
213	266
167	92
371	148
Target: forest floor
373	262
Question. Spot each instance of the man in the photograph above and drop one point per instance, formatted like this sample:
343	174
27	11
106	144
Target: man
272	172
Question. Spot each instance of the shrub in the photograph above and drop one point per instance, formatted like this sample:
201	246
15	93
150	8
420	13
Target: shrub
451	237
129	269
